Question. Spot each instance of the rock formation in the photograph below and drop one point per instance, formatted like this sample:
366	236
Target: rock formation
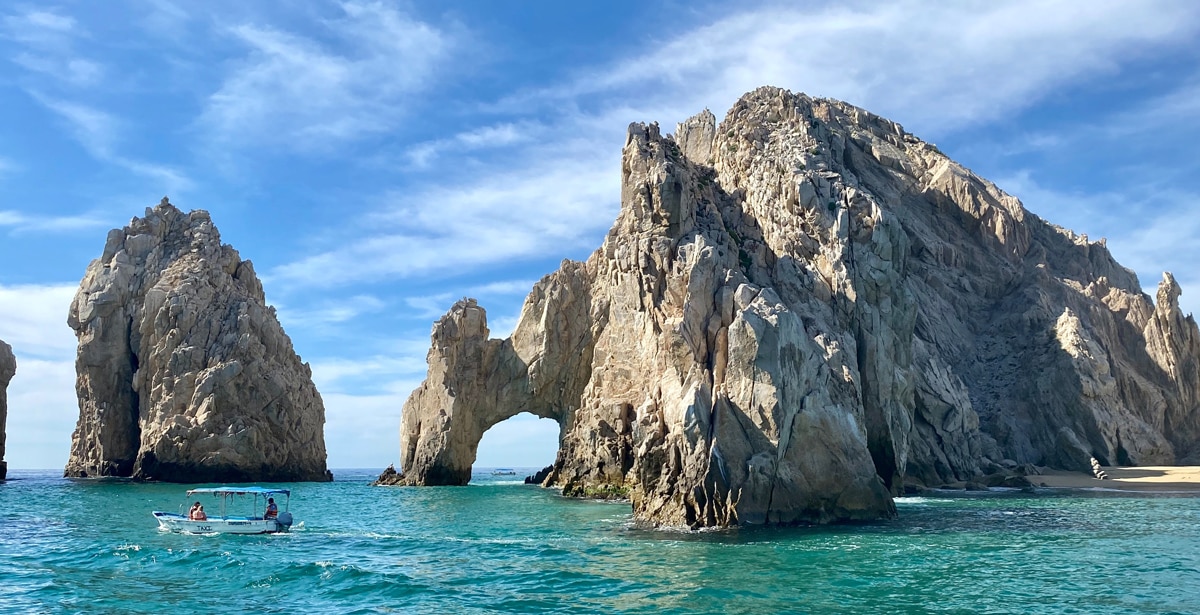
8	367
798	312
183	372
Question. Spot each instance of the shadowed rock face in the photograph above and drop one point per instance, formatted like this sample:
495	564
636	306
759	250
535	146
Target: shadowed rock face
8	367
798	311
183	372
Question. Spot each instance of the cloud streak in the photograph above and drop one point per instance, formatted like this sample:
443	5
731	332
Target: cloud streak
554	204
99	133
936	66
1149	228
41	397
294	90
940	67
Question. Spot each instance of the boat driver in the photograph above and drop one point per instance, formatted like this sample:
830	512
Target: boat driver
272	509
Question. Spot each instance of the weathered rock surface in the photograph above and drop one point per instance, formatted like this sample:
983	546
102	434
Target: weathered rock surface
8	367
183	372
801	311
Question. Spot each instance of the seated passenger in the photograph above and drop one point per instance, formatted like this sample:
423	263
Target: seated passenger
272	509
199	514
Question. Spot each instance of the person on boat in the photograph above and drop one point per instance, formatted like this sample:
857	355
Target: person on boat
192	511
272	509
198	514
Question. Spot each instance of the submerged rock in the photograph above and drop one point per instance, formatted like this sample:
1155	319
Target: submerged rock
8	367
183	372
800	311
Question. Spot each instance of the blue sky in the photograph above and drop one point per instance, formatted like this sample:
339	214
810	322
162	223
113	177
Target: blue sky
378	161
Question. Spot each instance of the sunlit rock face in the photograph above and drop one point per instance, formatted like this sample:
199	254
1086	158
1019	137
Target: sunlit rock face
8	367
183	372
800	310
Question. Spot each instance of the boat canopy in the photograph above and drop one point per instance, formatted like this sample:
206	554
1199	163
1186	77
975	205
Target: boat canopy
239	491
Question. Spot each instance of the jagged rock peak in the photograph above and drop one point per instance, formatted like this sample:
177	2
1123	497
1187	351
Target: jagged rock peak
183	372
802	311
8	367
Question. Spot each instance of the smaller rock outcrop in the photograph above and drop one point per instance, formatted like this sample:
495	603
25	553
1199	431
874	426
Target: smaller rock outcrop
389	477
183	371
8	367
538	477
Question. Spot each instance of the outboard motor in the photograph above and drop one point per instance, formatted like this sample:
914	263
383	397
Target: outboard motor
284	520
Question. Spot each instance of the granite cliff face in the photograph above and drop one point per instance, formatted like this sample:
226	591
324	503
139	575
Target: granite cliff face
799	311
8	367
183	372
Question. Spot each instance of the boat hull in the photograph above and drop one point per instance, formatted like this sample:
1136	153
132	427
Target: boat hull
176	522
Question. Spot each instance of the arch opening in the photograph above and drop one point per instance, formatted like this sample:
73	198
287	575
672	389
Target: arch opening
523	444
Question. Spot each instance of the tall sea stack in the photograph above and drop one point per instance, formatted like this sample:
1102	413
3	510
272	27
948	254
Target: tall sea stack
8	367
801	310
183	372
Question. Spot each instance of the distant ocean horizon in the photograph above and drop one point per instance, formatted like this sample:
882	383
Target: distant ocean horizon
498	546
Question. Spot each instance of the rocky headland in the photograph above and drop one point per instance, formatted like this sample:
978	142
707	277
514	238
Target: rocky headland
184	373
8	367
802	311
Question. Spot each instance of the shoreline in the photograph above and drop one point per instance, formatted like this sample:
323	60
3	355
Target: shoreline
1150	479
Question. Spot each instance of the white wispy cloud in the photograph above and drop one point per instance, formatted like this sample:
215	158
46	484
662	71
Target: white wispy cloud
22	222
96	130
363	431
42	412
340	374
35	319
41	397
430	306
164	18
938	67
100	135
503	135
296	91
40	27
435	305
1149	227
329	312
933	66
75	71
50	41
554	203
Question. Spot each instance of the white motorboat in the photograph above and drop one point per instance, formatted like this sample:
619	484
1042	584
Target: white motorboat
232	499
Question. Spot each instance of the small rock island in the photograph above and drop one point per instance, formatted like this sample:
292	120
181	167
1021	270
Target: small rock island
802	311
184	373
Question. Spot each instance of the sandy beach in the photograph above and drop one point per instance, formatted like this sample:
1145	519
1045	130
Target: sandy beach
1144	478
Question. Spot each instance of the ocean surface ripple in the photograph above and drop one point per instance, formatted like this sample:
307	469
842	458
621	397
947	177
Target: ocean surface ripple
497	546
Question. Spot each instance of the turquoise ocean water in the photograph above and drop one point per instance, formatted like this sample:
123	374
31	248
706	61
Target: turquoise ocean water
497	546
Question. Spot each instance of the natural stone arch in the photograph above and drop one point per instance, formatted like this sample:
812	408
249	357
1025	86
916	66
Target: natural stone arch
797	313
475	382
